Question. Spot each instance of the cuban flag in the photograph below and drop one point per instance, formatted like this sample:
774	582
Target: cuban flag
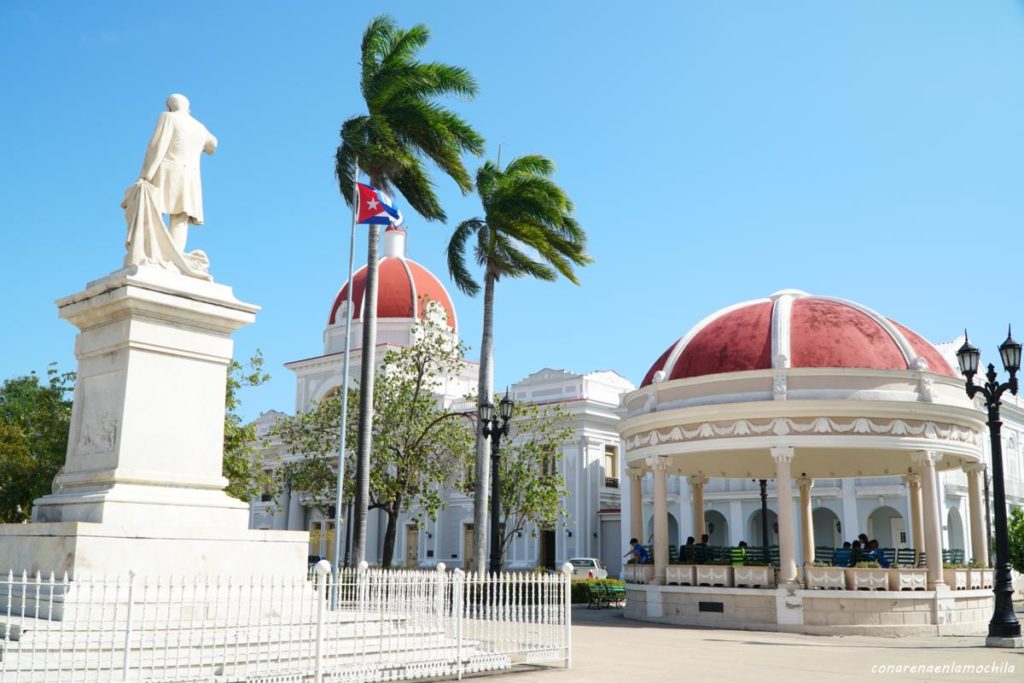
376	207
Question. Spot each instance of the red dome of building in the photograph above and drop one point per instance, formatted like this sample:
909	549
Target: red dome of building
794	329
404	287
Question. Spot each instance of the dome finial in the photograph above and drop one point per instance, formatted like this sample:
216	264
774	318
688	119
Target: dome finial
394	242
795	293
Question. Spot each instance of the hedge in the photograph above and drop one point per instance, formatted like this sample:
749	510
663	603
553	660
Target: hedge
580	587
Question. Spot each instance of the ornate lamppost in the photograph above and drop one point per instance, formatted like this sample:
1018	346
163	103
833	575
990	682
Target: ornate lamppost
495	427
763	485
1003	627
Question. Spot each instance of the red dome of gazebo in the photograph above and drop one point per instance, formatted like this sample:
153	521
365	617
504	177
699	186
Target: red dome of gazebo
794	329
402	284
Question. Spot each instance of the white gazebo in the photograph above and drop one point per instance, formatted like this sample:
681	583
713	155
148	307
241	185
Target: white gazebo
796	388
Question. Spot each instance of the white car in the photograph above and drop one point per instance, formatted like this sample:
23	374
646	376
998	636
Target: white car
588	568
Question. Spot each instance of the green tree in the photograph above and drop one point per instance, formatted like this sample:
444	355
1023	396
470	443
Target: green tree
244	464
1015	525
532	485
34	420
527	231
403	127
420	448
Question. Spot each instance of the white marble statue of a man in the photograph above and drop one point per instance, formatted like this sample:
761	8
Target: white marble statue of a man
172	166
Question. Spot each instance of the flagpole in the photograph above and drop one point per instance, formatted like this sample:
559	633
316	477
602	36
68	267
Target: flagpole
345	370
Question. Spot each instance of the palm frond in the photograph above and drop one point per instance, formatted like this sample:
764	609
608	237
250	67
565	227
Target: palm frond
421	125
405	125
464	231
518	264
418	189
530	164
377	36
422	81
530	227
403	44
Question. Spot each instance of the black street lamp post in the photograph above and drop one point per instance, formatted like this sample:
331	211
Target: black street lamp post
763	484
495	427
1004	622
988	515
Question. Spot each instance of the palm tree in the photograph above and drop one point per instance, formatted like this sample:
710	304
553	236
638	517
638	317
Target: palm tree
403	127
527	230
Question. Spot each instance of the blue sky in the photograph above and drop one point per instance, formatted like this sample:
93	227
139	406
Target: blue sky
716	152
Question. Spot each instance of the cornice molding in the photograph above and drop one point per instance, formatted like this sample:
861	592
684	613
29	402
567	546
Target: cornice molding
705	431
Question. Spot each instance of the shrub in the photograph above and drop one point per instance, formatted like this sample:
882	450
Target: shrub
581	587
868	564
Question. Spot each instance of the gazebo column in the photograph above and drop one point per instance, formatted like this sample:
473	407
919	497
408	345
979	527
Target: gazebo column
979	542
783	457
697	483
660	469
806	517
932	525
916	520
636	504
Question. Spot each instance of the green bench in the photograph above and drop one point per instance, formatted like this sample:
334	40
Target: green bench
601	595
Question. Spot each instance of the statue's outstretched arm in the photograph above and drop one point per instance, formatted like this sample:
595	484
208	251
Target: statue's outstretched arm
211	143
157	148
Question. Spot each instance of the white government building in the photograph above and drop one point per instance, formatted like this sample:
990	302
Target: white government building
590	459
592	464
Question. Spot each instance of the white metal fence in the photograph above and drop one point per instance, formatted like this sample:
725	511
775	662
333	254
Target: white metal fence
358	625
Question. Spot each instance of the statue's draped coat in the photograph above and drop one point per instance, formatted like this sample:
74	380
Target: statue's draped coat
172	163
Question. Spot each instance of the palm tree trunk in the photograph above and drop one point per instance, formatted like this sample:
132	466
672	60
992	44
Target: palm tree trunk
366	373
485	391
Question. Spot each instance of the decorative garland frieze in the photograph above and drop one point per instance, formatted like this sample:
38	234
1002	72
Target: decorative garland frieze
784	426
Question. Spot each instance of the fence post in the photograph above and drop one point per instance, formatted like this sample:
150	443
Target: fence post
567	579
363	584
125	664
323	570
439	594
362	605
457	582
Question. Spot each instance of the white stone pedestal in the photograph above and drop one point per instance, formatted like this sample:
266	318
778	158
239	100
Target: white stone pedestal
993	641
142	488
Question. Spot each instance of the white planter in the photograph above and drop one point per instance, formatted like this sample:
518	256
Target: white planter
714	575
908	579
987	577
638	573
679	574
867	579
827	578
957	579
753	577
975	579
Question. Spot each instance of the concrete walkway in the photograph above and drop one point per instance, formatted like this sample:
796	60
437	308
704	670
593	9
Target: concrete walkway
610	648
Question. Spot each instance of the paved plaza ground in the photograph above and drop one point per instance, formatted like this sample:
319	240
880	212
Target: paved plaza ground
608	647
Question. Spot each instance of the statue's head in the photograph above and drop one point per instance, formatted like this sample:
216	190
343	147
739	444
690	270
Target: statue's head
177	102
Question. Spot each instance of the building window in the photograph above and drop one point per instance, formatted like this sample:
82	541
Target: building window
267	493
611	466
547	465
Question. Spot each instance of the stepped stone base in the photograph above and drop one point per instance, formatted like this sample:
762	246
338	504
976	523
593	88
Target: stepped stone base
815	612
85	549
142	487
